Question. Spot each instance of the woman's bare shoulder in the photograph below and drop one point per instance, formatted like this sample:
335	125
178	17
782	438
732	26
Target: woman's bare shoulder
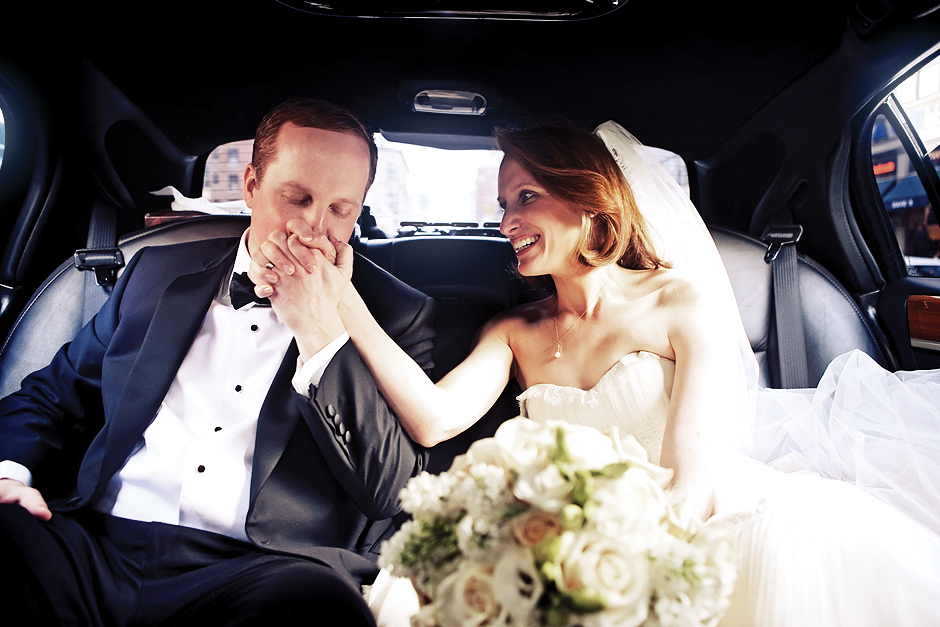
521	316
679	289
698	310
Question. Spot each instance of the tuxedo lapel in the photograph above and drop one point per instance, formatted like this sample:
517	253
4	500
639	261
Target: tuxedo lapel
178	315
280	414
276	423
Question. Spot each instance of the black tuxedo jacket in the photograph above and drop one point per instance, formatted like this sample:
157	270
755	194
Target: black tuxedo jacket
327	469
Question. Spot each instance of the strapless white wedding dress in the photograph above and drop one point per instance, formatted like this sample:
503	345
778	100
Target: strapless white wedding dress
813	550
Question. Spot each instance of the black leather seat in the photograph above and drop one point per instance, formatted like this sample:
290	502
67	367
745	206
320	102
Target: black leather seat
833	324
471	280
55	313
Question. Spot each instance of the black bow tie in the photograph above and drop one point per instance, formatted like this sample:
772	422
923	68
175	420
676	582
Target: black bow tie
242	292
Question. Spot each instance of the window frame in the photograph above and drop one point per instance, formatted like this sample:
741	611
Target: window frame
872	214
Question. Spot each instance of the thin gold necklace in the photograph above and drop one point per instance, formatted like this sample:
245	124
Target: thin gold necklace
558	340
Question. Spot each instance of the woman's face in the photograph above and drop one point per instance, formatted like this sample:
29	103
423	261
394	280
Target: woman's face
543	230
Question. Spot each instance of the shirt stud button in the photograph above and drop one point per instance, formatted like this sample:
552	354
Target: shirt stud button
254	328
200	468
238	388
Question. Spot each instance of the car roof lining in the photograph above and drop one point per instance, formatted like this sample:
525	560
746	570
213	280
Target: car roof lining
683	80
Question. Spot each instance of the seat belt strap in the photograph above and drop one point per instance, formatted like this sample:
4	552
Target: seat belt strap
100	259
788	312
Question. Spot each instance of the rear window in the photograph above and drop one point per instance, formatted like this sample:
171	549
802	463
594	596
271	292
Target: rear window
417	189
224	171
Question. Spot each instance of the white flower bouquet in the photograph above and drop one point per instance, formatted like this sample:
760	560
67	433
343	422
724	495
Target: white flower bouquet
557	525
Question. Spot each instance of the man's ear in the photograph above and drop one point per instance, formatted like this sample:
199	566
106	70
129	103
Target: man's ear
250	184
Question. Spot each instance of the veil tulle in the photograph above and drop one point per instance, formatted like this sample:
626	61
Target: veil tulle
680	237
861	424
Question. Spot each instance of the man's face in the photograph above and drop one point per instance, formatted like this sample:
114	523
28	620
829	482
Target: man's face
316	175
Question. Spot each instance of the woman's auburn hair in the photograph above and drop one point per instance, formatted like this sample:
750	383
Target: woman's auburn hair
575	166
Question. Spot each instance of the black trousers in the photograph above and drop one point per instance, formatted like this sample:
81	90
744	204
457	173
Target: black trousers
92	569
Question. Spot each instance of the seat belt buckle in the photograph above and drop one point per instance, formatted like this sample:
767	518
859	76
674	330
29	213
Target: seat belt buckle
104	261
778	235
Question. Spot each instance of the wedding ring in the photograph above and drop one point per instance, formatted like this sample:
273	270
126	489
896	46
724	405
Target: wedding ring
269	266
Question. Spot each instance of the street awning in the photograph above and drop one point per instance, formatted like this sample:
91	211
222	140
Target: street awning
906	193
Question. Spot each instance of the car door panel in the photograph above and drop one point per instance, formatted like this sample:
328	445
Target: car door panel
910	309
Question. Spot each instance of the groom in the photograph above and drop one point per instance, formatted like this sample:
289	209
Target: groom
226	462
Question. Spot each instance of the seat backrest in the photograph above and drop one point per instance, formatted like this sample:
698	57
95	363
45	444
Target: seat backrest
471	280
53	316
833	324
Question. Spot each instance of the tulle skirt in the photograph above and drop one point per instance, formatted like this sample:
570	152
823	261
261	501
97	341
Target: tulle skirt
840	522
863	425
817	551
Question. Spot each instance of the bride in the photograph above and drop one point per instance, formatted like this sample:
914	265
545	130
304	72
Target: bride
642	331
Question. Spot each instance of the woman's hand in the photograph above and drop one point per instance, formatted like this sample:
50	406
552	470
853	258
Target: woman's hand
305	273
698	494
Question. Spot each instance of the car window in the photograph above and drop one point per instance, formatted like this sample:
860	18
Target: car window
224	170
902	167
417	190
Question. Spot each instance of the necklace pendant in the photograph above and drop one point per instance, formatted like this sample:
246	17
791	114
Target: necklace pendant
558	353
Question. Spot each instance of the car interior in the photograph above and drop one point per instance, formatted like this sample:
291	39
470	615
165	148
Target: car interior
807	134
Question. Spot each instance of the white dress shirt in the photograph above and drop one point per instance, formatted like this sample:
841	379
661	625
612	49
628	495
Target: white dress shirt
192	466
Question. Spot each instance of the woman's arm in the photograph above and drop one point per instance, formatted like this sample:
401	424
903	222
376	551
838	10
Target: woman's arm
695	444
429	412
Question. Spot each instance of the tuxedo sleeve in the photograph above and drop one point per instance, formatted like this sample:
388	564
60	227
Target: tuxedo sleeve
365	446
48	423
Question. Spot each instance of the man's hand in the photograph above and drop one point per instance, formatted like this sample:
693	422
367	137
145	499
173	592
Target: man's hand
304	272
13	491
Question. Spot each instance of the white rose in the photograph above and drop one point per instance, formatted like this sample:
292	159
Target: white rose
592	565
484	451
589	448
629	450
524	443
466	598
544	488
630	508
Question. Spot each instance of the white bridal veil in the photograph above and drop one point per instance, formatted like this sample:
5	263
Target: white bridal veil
681	238
876	429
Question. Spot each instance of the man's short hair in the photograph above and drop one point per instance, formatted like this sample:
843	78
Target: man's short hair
309	113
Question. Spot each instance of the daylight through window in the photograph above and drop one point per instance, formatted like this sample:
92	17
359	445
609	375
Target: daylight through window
413	184
912	218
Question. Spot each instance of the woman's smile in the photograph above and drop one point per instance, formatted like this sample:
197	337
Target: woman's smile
523	244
